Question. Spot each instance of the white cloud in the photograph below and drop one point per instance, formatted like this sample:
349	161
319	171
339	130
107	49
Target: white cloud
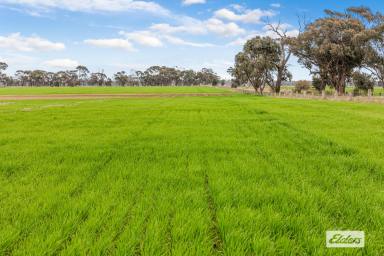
239	41
288	29
293	33
276	5
143	37
16	59
146	38
197	27
191	2
18	42
179	41
111	43
62	63
238	7
247	16
225	29
92	5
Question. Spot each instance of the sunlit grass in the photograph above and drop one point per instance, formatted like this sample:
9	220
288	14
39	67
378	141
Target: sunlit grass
239	175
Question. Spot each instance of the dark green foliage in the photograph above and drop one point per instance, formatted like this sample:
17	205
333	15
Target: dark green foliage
256	65
318	83
362	82
302	85
333	46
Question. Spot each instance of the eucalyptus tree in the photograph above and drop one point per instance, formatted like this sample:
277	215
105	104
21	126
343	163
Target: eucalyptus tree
98	78
108	82
60	78
82	74
333	46
207	77
22	78
282	38
257	63
3	66
72	78
362	81
375	62
188	77
121	78
153	76
38	77
4	80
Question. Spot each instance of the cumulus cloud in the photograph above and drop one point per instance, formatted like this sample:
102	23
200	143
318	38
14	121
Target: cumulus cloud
286	28
191	2
178	41
196	28
16	59
143	38
92	5
62	63
247	16
193	26
225	29
238	7
111	43
18	42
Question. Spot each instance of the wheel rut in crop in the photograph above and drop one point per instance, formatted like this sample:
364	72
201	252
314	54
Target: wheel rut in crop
217	241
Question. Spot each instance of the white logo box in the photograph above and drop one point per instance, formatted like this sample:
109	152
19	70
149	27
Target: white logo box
345	239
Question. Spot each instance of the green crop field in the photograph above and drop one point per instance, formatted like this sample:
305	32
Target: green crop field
218	175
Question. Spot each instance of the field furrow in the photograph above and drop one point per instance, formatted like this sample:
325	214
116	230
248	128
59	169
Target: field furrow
228	175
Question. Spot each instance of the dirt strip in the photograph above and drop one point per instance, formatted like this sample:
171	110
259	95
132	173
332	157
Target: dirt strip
107	96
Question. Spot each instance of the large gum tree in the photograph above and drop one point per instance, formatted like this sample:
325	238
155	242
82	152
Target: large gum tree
333	46
256	65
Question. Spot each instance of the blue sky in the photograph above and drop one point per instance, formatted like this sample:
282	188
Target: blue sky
114	35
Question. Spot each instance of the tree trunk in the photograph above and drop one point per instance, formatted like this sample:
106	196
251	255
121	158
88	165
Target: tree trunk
341	84
341	89
279	81
256	88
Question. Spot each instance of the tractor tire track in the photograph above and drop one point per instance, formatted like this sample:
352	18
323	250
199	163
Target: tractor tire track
76	192
217	241
124	223
26	232
169	237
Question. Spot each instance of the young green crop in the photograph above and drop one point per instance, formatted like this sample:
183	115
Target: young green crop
233	175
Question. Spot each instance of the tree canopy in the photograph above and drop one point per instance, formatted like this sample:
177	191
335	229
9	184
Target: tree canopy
333	46
257	63
153	76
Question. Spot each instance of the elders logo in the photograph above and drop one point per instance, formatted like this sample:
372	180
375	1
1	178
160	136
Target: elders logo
345	239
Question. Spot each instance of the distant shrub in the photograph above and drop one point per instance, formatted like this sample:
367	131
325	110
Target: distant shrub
362	82
235	83
302	85
318	83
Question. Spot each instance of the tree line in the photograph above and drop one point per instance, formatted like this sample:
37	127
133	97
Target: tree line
337	49
81	76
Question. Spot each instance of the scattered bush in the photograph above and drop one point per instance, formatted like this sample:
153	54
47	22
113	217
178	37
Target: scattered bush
302	85
362	82
318	84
